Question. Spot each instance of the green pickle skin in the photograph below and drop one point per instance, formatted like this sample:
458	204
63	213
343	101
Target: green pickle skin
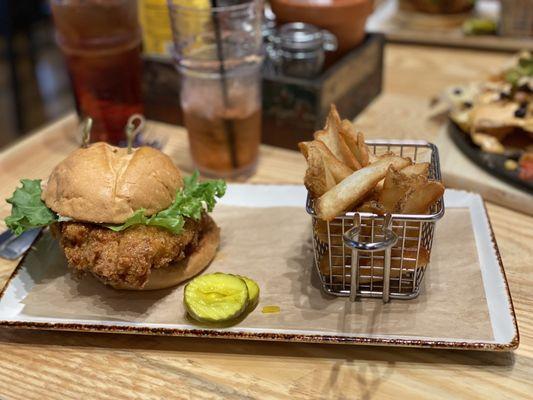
253	292
219	297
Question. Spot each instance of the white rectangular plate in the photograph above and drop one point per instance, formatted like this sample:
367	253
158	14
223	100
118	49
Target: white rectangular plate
502	317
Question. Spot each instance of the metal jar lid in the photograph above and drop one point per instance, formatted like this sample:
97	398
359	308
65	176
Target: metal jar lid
299	36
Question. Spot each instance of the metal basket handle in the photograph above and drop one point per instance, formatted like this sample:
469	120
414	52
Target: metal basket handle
351	239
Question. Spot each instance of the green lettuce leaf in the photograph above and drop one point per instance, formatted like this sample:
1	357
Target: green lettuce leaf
190	201
27	209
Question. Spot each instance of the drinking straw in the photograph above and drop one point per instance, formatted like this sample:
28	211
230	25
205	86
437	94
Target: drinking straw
228	124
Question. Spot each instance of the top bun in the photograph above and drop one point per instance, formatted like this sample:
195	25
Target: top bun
105	184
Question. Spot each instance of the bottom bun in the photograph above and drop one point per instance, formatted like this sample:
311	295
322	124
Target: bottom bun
196	262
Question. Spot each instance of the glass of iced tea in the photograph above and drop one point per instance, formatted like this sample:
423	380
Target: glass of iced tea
101	41
218	52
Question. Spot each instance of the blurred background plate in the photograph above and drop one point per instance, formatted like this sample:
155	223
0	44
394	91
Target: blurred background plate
493	163
409	26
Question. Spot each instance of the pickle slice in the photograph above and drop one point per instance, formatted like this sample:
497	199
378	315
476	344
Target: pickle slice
216	297
253	291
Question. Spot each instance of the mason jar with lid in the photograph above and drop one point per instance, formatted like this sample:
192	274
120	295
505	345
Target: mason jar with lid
298	49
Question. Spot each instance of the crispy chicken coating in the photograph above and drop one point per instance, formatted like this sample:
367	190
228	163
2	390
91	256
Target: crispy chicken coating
128	256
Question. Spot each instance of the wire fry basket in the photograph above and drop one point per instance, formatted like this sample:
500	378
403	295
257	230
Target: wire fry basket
360	254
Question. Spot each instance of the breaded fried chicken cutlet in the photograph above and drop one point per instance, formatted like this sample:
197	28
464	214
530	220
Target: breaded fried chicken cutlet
129	219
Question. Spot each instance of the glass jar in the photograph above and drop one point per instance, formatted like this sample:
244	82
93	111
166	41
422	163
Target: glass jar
298	49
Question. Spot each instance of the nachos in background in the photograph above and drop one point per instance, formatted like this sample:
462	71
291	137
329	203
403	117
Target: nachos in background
498	113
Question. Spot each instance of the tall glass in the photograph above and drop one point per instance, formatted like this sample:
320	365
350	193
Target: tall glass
101	41
218	52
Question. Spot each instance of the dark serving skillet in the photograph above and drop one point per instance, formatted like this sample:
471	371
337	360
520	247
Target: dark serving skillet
493	163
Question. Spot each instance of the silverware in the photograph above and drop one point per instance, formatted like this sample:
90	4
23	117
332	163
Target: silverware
12	247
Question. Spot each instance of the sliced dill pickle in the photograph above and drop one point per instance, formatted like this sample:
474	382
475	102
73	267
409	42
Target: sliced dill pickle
216	297
253	291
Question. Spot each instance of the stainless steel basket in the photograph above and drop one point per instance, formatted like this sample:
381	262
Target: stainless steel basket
360	254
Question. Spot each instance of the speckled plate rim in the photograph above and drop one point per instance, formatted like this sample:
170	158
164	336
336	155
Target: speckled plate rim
498	296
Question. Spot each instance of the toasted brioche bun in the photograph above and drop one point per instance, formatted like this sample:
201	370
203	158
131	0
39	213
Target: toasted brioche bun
105	184
175	273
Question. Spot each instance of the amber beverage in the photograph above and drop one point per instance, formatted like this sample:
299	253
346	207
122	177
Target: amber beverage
101	42
224	146
224	132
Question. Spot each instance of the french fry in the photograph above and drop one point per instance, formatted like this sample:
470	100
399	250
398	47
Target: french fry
419	199
419	169
321	230
407	266
372	206
337	147
304	149
355	142
349	136
335	143
318	178
395	186
370	203
364	153
338	169
352	190
338	150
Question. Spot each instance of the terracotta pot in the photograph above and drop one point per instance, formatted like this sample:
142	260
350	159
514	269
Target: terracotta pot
346	19
440	6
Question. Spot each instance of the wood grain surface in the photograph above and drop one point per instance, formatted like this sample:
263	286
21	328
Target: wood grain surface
53	365
441	30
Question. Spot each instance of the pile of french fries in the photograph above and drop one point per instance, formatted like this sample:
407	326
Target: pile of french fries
343	175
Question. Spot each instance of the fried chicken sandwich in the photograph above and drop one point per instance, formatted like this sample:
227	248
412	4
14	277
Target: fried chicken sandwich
128	218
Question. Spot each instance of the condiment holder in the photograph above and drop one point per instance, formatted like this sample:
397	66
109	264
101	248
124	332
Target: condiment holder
298	49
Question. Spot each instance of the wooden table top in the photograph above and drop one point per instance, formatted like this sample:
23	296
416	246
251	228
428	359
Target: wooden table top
57	365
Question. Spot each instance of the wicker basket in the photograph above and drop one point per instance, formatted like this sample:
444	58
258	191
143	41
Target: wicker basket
516	18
